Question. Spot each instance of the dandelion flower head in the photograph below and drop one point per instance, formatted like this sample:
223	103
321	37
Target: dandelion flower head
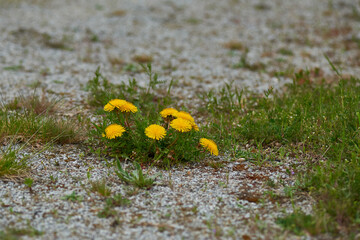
184	115
187	116
114	103
181	125
167	112
155	131
209	145
195	127
122	105
128	107
114	130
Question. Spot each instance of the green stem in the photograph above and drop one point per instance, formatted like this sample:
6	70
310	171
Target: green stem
173	142
152	143
118	115
127	121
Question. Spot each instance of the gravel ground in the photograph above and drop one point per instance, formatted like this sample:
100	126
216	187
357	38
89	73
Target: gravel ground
57	45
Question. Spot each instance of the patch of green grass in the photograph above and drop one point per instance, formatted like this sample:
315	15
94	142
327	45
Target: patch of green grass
319	116
35	84
34	103
29	182
243	63
216	105
107	211
285	51
262	7
288	73
300	223
136	177
10	165
100	187
152	98
356	40
255	154
33	118
131	68
336	186
193	21
312	120
215	164
27	122
41	128
315	121
116	201
62	44
355	14
16	233
73	197
132	140
13	68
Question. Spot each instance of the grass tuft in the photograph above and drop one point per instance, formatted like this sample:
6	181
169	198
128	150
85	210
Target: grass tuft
143	58
152	98
314	121
34	103
116	201
136	127
298	222
34	118
234	45
100	187
136	177
16	233
10	166
43	128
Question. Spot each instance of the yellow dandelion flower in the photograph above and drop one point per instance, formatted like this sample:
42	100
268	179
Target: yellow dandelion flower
181	125
195	127
114	103
187	116
155	131
122	105
108	107
167	112
210	145
184	115
128	107
114	130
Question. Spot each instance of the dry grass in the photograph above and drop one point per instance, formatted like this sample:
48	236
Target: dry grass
143	58
37	118
118	13
234	45
114	61
38	105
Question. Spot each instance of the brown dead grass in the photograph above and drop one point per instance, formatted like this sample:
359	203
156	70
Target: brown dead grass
117	13
143	58
37	104
234	45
